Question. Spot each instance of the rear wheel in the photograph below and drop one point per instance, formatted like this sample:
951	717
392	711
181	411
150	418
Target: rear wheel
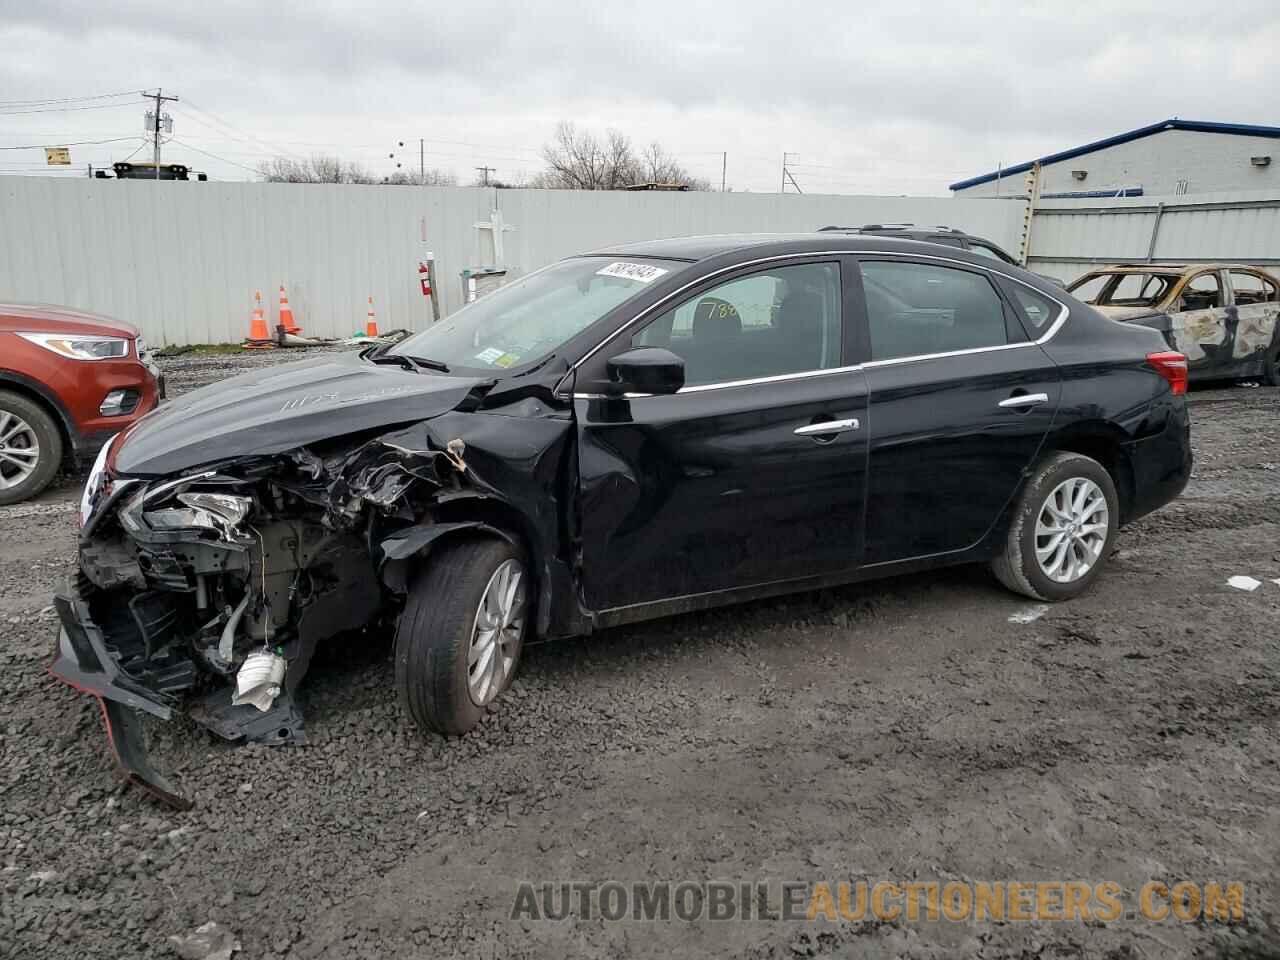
30	448
459	638
1062	531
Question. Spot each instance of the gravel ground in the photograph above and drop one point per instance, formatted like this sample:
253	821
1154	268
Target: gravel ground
909	729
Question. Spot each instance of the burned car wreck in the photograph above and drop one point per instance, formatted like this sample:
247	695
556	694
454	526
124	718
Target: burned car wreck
658	428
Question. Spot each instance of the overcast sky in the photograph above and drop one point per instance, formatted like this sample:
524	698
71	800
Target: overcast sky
871	97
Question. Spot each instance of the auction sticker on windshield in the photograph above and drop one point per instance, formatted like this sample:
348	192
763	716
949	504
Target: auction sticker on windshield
642	272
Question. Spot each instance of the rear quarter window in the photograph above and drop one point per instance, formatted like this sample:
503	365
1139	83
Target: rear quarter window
1036	311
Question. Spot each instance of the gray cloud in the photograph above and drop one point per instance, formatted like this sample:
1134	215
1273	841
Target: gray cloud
867	91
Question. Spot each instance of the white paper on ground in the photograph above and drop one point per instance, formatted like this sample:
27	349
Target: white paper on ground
1243	583
1028	614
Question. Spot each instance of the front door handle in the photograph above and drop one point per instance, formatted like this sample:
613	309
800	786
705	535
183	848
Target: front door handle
1025	400
827	427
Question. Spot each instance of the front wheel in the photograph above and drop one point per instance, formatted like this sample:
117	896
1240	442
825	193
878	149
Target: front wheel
30	448
1062	531
459	638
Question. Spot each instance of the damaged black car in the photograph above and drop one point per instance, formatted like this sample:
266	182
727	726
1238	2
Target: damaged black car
647	430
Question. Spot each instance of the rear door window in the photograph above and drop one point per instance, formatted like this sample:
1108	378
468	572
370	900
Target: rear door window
916	309
1203	292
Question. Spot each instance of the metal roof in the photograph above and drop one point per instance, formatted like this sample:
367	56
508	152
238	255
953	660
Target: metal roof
1197	126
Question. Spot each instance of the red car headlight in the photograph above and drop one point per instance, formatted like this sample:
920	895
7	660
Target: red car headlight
80	347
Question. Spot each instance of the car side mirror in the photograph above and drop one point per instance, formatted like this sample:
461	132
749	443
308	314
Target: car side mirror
646	370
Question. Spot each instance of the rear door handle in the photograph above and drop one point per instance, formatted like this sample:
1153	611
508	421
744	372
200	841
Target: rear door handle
1025	400
827	426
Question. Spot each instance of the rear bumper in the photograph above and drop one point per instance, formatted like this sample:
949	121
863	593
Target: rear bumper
82	661
1161	464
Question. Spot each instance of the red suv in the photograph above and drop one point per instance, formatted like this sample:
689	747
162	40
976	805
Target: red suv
69	381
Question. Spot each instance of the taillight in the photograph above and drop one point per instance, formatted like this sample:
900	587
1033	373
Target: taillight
1173	367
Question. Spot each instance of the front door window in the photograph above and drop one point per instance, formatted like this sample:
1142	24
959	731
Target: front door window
778	321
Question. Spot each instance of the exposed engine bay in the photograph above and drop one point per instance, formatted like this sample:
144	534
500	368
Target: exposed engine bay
210	591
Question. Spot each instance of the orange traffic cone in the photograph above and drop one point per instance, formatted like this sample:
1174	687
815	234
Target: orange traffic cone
259	337
371	323
286	314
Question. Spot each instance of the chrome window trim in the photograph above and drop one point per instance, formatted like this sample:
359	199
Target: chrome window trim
1044	338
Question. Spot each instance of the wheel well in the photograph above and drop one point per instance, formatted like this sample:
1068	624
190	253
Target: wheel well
505	520
40	400
496	514
1109	452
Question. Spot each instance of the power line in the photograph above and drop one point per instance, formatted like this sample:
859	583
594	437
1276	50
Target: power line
234	130
25	113
213	156
73	143
40	103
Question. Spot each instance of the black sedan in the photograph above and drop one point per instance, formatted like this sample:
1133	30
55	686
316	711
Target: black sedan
641	431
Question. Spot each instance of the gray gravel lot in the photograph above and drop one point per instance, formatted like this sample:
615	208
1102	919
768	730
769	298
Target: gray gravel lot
902	730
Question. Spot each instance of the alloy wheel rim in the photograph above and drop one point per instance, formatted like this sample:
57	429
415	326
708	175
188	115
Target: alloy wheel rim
1071	530
19	450
495	633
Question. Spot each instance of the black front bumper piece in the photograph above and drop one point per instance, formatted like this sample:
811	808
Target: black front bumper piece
83	661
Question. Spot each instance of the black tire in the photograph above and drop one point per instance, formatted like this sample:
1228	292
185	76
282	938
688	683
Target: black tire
433	636
1016	566
48	437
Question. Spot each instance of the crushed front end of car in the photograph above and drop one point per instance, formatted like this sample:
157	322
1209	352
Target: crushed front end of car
208	592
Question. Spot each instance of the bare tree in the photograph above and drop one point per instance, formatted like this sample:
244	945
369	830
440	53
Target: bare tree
319	169
428	178
575	160
579	160
658	166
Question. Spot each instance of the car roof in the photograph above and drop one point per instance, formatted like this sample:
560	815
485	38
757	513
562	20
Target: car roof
888	229
702	248
1174	269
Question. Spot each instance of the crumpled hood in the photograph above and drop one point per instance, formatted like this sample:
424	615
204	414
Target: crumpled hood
278	408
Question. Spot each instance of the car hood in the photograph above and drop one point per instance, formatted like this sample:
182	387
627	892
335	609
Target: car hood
48	318
279	408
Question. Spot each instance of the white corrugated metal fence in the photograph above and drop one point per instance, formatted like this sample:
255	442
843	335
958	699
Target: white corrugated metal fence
1069	238
182	260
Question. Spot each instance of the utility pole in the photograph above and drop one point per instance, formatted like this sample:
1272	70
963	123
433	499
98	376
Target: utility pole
484	173
157	123
422	161
724	167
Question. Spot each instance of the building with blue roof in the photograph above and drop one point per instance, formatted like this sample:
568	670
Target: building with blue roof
1166	158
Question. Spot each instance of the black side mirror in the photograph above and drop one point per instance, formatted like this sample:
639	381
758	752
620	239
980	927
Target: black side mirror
646	370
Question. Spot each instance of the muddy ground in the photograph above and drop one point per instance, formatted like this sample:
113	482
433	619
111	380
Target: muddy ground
902	730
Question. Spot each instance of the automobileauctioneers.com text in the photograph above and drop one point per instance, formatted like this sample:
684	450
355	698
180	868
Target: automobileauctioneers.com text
883	901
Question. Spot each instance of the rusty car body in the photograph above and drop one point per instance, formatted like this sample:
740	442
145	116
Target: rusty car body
1225	317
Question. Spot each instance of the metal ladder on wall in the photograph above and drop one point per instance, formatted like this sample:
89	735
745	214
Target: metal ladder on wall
1033	198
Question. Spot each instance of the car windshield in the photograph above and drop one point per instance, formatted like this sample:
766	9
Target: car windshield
1123	289
525	321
